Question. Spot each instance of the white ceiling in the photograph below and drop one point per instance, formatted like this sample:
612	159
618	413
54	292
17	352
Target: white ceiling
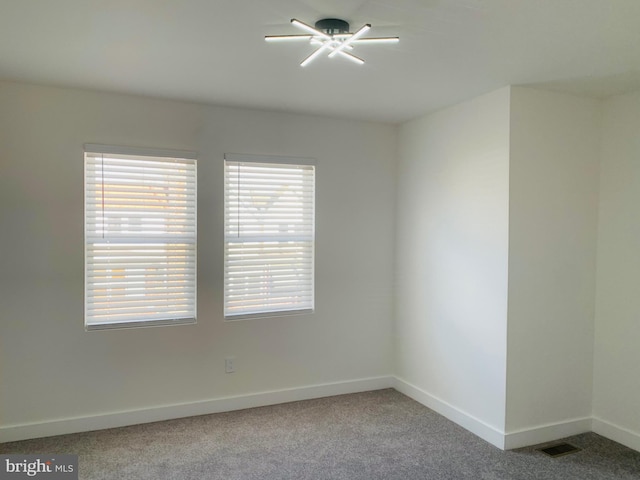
214	51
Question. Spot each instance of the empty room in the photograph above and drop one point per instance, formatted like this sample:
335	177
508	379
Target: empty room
288	239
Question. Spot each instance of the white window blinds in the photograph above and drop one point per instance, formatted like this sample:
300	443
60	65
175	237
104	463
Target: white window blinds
140	238
269	236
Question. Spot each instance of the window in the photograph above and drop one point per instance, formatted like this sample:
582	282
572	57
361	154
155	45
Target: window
140	237
269	236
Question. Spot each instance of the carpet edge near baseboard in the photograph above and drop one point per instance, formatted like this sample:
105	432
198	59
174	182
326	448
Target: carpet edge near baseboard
12	433
476	426
503	440
614	432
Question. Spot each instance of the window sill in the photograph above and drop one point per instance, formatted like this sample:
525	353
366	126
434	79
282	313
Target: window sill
143	324
283	313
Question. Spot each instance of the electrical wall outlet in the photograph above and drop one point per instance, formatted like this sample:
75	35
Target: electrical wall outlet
229	365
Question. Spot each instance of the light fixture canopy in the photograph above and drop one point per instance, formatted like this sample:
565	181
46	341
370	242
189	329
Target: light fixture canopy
332	26
331	35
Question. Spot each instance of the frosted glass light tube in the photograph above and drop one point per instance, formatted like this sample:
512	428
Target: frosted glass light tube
365	28
278	38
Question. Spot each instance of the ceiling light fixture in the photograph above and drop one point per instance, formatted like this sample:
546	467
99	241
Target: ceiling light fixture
331	35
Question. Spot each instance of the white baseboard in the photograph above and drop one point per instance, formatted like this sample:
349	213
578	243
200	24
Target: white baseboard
465	420
546	433
532	436
616	433
502	440
13	433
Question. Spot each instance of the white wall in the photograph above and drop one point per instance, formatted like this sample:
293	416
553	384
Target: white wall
52	369
617	347
452	246
554	161
497	203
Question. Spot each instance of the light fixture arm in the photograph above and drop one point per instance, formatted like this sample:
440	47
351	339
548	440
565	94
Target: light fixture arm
310	29
364	29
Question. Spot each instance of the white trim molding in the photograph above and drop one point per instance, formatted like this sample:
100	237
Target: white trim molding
465	420
546	433
278	159
12	433
617	433
502	440
496	437
142	151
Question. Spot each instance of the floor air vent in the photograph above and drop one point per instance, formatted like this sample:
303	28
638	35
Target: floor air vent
559	449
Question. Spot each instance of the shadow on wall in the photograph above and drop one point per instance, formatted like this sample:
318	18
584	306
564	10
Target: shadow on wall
592	86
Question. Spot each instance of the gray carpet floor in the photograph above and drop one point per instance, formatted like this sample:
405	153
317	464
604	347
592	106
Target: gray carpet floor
372	435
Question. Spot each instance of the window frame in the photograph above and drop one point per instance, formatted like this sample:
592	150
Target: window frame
141	154
305	163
